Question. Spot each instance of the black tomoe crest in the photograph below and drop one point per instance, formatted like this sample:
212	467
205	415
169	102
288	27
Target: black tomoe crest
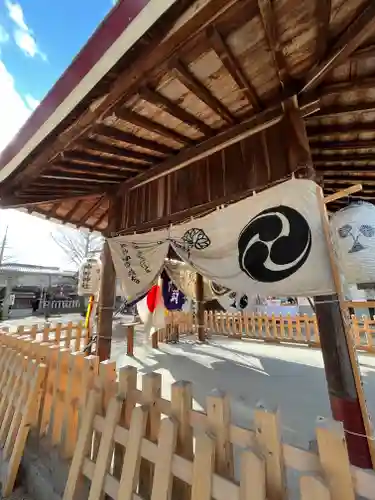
274	244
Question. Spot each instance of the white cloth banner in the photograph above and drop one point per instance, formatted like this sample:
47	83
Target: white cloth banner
269	244
138	260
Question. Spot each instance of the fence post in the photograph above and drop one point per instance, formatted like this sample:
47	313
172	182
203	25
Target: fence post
268	437
219	420
181	407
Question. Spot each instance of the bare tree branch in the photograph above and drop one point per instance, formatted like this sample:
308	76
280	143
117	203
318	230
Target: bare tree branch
77	245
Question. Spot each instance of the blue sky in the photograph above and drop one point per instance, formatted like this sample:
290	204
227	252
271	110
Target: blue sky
38	40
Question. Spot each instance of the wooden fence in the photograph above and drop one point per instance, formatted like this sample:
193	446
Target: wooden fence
131	443
69	335
289	329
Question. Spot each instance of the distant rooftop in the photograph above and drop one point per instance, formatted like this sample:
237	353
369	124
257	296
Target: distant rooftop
30	269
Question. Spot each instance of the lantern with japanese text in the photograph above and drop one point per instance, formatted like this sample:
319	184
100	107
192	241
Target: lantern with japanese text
353	236
89	276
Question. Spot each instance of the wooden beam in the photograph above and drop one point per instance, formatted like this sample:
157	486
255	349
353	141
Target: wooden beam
157	99
343	145
296	139
187	156
248	127
323	15
192	83
268	19
316	131
232	66
101	147
342	193
351	86
141	121
342	159
152	54
335	111
77	205
91	210
76	168
121	136
337	180
87	179
348	42
363	53
350	173
81	157
100	220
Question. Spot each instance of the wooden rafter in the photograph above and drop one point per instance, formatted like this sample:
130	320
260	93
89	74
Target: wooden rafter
77	205
157	99
121	136
348	42
232	66
343	159
323	15
316	131
100	220
343	145
351	173
270	28
192	83
100	161
248	127
126	154
86	179
363	53
342	180
333	111
91	210
87	169
152	126
367	83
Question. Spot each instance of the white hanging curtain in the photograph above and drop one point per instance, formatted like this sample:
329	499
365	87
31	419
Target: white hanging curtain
268	244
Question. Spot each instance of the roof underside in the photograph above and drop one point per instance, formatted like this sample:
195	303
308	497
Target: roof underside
223	70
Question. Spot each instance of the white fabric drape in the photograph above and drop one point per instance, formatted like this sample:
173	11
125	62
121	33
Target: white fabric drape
269	244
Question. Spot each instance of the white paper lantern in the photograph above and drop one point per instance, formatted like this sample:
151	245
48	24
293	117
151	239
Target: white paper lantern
353	235
89	276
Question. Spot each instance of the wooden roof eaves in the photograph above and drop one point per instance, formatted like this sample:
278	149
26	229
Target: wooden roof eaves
129	80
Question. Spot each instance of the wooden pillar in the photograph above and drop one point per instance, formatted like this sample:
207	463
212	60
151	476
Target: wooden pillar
199	291
107	285
340	363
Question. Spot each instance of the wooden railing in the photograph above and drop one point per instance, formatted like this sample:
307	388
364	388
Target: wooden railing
130	442
289	329
68	335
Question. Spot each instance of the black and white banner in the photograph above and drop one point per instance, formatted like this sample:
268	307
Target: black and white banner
269	244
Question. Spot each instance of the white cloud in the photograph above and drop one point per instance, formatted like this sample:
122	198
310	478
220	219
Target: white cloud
31	102
4	37
13	109
23	35
16	14
26	42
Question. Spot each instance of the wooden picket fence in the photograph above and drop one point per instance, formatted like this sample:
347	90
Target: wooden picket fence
131	443
301	329
69	335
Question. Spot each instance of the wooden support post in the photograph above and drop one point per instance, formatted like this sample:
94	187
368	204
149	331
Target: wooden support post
130	340
107	284
199	290
340	364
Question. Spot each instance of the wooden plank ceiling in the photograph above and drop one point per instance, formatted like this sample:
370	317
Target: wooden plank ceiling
227	71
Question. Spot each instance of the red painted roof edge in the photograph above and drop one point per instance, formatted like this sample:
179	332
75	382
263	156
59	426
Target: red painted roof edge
109	30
